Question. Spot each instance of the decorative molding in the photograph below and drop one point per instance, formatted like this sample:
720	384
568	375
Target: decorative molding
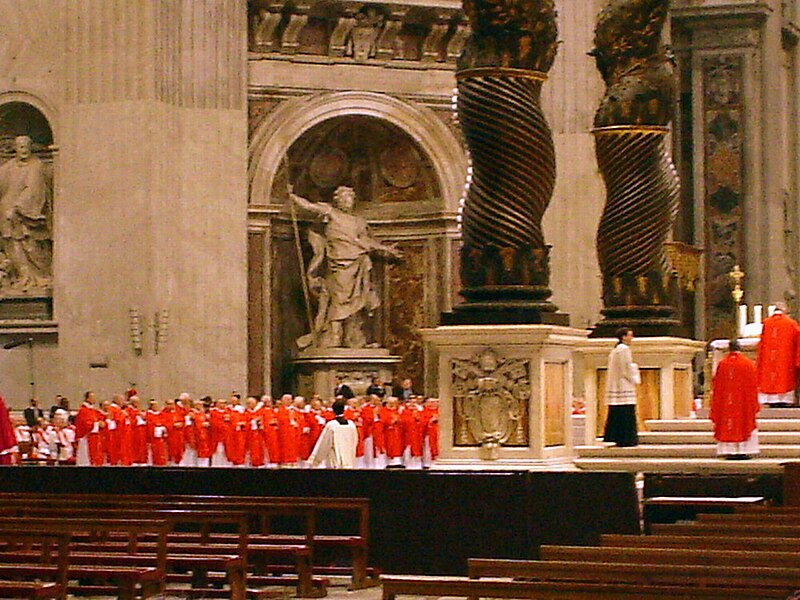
360	31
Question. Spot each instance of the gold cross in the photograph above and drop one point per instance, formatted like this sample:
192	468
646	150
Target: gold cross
737	275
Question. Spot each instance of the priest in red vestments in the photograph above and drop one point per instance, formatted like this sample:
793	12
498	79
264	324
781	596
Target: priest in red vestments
777	358
139	452
8	439
287	431
392	432
88	423
157	432
256	446
202	434
734	405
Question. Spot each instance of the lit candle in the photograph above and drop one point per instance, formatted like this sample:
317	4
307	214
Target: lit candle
742	318
757	314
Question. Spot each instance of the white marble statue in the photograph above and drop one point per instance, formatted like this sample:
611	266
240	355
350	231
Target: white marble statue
24	221
339	273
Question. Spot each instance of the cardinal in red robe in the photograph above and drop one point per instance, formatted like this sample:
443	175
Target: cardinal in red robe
734	405
777	359
8	439
88	425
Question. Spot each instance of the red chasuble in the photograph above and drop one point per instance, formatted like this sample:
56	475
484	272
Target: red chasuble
734	402
778	355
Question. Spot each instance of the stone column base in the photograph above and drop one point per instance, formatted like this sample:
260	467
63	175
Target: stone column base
316	369
666	391
505	394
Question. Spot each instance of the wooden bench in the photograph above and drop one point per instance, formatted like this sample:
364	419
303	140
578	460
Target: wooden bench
53	552
356	543
673	556
729	529
22	589
462	587
668	509
206	555
711	542
704	576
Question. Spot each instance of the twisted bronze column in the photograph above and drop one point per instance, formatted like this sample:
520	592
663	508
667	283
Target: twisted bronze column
504	259
639	288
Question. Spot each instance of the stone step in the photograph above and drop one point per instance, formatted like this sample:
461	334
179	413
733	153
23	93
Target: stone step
766	413
784	452
683	465
677	425
706	437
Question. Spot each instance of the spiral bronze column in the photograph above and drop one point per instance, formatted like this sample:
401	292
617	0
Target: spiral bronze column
504	258
642	187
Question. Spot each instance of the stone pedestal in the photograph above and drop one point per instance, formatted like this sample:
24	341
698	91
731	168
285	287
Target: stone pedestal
505	393
316	369
666	390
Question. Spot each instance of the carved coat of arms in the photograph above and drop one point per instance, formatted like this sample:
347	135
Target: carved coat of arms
490	397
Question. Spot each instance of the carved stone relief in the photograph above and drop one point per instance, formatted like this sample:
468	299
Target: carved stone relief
360	32
490	400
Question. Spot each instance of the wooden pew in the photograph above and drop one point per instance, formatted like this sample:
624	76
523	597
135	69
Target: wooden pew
668	509
206	552
729	529
672	556
711	542
356	543
32	590
691	575
53	553
462	587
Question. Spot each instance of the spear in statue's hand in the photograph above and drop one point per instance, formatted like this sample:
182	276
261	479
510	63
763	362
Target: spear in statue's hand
299	249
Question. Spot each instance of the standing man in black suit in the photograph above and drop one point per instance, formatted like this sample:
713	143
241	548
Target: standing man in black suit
33	413
343	390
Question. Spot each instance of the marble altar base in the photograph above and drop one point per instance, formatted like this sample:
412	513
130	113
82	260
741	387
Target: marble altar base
505	394
666	391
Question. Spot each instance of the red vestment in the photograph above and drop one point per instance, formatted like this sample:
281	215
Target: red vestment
202	434
217	418
354	415
157	431
305	445
271	434
8	439
255	436
176	442
392	434
237	437
316	424
430	420
138	435
88	424
412	428
777	358
734	402
287	435
379	442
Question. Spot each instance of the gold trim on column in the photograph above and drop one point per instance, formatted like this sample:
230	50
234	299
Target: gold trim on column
501	72
624	129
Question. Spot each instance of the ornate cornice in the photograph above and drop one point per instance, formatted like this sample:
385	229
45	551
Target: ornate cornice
414	32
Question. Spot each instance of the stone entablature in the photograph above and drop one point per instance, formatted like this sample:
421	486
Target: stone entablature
430	33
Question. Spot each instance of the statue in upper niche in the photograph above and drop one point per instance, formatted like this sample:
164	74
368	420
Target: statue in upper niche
340	272
25	204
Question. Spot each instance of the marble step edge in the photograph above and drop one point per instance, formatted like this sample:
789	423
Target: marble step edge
665	425
684	465
785	452
706	437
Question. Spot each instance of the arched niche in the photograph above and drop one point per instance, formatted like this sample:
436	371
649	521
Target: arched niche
390	173
288	122
26	235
